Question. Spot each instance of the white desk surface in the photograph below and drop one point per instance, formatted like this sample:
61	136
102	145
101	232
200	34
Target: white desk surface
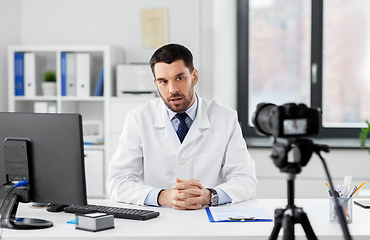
174	224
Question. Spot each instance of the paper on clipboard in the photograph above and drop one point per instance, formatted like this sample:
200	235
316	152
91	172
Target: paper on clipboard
223	214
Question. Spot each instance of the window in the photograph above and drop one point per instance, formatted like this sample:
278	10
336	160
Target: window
309	51
346	63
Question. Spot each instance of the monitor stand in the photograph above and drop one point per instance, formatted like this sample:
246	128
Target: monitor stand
9	210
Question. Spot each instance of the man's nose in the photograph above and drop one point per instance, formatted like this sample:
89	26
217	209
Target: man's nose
173	88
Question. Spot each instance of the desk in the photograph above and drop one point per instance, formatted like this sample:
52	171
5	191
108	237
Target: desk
173	224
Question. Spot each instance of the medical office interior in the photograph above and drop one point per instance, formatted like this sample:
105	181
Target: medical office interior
279	70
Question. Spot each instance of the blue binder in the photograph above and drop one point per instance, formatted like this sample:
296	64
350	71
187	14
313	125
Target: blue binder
64	74
99	85
18	74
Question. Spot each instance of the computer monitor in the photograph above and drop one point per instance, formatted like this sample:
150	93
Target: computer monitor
47	151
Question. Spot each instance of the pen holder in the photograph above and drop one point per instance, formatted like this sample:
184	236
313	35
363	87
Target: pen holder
346	205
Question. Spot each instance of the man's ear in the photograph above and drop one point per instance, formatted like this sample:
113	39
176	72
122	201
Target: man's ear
155	82
195	76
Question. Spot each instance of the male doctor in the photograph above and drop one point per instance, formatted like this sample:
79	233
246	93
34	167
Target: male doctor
180	150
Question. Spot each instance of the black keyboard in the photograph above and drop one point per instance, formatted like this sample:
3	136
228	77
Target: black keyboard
117	212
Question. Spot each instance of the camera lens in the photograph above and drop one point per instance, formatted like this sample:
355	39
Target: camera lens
263	118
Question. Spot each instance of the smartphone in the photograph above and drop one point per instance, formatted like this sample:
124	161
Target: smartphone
363	203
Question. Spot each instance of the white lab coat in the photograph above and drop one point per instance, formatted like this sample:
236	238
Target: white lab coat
150	154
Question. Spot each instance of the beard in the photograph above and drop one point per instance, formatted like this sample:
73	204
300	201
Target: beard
178	108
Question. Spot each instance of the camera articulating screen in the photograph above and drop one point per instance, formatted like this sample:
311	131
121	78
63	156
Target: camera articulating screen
288	120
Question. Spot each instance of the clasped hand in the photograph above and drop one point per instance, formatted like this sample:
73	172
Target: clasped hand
185	194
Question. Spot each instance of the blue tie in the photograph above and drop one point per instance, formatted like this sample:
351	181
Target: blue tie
183	127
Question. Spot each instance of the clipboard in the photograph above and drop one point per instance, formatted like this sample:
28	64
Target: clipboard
232	214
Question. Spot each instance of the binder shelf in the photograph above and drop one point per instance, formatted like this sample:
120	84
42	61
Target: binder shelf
84	83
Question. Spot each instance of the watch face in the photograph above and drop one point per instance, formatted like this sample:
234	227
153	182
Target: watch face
214	197
214	200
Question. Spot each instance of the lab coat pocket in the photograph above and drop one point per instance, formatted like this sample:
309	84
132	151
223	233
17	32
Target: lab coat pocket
207	168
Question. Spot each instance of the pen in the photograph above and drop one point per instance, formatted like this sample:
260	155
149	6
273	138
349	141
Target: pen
241	219
346	185
339	192
352	191
328	189
362	184
335	192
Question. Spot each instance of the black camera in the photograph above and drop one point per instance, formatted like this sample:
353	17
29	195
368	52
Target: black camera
288	120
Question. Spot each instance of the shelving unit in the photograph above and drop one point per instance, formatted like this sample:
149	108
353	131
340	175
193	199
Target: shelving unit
48	57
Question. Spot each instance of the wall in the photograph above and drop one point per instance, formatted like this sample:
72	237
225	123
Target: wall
118	22
10	34
225	58
310	183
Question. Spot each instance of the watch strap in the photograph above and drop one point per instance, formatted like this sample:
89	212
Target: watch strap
214	197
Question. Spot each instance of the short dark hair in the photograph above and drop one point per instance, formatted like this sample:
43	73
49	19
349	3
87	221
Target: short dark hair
170	53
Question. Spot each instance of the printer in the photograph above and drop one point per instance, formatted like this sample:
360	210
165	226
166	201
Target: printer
134	79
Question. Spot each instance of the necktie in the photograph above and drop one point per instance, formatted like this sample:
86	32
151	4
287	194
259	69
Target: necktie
183	127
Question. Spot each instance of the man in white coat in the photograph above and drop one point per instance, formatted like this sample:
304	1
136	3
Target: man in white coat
180	150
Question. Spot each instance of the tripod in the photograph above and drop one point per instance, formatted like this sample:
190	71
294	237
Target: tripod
291	215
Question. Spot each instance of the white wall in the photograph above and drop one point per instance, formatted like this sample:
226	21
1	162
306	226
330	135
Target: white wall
118	22
225	57
310	183
9	34
115	22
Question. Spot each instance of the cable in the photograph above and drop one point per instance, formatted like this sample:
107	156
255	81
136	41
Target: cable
19	184
4	184
1	226
2	203
342	220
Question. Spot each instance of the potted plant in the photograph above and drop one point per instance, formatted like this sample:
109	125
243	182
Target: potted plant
49	83
363	135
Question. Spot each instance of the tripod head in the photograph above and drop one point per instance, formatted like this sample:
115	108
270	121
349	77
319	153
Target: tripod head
303	149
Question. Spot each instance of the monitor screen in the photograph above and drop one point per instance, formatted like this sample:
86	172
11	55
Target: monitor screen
56	157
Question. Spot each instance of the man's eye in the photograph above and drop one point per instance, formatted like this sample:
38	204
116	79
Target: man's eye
180	78
163	82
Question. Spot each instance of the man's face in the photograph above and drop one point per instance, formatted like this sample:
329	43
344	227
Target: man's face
175	84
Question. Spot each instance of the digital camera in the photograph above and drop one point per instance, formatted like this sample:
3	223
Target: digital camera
288	120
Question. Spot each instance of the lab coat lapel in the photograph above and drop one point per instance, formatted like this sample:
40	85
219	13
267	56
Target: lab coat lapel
163	123
200	123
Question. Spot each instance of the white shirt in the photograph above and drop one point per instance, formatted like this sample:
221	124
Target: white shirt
191	112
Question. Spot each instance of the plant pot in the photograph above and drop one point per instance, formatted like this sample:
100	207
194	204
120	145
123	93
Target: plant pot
49	88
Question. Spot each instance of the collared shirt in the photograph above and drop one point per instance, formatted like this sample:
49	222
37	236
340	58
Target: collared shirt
191	111
152	198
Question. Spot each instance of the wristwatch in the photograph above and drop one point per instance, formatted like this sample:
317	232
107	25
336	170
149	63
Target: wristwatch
214	197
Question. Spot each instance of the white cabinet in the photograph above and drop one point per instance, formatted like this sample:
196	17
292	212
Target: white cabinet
94	163
119	107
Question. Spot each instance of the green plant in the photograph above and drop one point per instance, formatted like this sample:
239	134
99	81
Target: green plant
363	135
49	76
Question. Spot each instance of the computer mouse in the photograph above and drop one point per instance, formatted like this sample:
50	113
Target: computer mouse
52	207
